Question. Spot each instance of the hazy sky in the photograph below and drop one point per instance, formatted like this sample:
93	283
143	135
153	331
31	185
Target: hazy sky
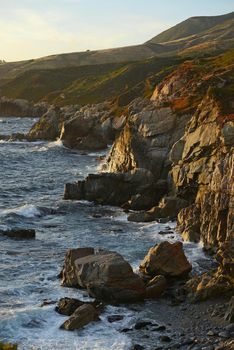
34	28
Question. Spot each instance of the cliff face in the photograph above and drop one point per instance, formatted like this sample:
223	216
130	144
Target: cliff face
204	172
21	108
154	126
201	156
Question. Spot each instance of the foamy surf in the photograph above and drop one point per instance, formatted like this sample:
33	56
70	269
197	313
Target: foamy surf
27	211
51	145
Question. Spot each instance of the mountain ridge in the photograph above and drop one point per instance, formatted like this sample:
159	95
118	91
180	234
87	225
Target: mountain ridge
83	76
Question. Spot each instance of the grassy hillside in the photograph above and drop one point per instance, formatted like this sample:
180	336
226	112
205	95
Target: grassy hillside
190	26
90	84
122	73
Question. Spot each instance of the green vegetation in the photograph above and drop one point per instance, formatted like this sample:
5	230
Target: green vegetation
91	84
122	74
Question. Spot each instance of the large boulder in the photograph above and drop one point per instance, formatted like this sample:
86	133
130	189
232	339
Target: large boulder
105	274
82	316
69	278
167	259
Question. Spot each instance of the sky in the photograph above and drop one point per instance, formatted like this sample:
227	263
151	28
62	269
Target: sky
36	28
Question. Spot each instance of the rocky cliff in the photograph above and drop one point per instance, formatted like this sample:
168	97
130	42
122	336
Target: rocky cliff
21	108
90	127
184	138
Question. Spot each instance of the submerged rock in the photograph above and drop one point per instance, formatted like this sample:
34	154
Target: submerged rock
82	316
105	274
67	306
167	259
19	233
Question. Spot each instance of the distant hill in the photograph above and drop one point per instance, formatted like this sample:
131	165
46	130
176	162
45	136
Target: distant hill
120	73
190	26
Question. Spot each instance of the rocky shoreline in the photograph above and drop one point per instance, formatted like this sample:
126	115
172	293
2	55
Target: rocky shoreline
172	158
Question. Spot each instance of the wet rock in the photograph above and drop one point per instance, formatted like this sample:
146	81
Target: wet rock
138	347
105	274
165	338
115	318
66	306
19	234
156	287
126	330
47	302
167	259
160	328
141	217
142	324
139	202
82	316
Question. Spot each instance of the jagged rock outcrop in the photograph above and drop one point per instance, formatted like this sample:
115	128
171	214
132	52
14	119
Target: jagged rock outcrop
90	127
48	127
146	140
21	108
115	188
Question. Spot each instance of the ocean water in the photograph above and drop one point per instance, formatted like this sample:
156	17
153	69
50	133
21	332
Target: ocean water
32	179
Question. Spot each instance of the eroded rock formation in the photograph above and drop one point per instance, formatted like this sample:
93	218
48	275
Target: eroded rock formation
21	108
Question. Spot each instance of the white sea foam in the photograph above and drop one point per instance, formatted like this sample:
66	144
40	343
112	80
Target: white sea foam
4	228
58	143
41	330
27	210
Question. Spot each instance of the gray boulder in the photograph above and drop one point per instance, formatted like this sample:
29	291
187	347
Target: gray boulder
105	274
